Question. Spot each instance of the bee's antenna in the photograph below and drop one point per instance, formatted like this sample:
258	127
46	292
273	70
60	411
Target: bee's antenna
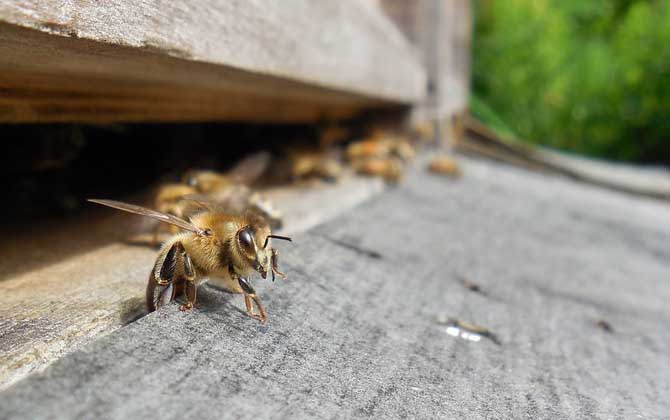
283	238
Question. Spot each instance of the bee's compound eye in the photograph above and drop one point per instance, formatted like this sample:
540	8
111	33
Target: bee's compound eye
246	240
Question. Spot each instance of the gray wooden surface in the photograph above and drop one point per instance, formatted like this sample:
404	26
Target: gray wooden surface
294	60
64	284
352	335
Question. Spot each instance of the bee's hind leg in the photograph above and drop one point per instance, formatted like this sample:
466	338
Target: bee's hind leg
250	299
158	294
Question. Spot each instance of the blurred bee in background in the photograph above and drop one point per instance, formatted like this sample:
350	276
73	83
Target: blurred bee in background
382	153
390	169
332	134
304	163
445	165
423	131
230	190
214	244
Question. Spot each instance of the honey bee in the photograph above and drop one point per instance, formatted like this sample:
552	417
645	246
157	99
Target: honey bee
381	154
390	169
234	199
381	144
364	149
169	199
445	165
423	131
245	172
213	244
303	163
332	134
230	190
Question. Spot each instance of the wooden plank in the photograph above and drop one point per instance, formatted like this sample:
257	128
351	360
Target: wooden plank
453	70
440	31
353	336
480	140
64	284
234	60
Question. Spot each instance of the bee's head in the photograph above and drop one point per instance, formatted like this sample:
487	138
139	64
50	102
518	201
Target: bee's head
254	243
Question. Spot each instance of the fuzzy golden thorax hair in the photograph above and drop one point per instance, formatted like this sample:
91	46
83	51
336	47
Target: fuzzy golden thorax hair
215	252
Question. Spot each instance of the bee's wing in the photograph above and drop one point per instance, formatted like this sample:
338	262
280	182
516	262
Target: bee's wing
250	168
143	211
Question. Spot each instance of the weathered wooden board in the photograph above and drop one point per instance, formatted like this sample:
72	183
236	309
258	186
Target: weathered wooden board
353	336
645	181
440	31
64	284
294	60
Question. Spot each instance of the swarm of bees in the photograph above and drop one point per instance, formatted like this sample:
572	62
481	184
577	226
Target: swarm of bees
213	244
382	152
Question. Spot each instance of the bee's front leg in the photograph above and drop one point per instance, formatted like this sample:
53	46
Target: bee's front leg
275	265
250	298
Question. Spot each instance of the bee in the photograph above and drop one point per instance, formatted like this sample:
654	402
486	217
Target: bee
169	199
213	244
234	199
304	163
382	153
391	169
423	131
445	165
332	134
245	172
381	144
365	149
230	190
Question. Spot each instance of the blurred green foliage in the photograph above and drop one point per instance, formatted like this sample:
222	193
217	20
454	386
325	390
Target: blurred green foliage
589	76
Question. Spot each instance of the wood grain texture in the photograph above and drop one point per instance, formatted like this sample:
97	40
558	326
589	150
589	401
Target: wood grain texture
234	60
